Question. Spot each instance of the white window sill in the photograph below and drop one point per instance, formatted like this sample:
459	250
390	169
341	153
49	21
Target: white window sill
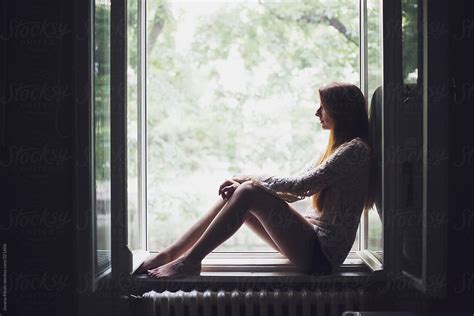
264	262
272	269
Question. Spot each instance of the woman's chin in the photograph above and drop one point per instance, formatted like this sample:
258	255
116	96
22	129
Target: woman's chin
325	127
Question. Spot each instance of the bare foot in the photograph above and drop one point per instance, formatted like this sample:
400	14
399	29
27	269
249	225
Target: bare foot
180	267
153	261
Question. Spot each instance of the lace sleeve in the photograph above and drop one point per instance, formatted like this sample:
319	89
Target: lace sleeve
308	166
286	196
346	161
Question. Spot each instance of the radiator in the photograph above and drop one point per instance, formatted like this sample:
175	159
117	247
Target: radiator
262	303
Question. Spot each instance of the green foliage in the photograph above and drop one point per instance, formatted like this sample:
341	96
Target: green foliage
102	132
202	121
410	38
102	92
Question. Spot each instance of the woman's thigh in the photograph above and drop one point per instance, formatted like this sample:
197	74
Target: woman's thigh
289	229
254	224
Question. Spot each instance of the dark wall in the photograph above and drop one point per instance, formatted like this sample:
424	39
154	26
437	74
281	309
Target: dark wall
461	173
36	155
37	96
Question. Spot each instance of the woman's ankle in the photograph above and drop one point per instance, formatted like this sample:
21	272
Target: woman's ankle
170	253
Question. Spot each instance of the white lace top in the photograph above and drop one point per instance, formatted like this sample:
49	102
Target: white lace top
345	174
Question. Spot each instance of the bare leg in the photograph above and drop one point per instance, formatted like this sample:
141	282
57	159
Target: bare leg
254	224
189	238
292	233
184	242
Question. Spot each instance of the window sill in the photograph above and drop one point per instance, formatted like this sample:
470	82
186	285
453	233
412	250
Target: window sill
218	262
370	259
266	262
229	281
259	270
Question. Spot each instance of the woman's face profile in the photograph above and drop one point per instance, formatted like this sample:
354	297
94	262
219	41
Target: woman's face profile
324	118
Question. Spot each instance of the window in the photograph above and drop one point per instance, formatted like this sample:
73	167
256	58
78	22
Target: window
101	136
225	81
135	130
211	85
384	76
372	88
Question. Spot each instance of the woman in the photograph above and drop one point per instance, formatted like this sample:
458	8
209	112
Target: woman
339	183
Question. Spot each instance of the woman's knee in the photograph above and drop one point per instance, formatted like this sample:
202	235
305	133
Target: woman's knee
245	189
244	193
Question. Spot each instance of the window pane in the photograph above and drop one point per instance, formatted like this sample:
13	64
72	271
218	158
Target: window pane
375	83
410	33
375	46
102	132
132	125
232	89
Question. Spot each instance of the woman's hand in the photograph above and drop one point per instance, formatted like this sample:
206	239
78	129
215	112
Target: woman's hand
227	188
240	178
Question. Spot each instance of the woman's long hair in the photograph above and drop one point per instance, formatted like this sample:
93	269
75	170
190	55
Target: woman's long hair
347	107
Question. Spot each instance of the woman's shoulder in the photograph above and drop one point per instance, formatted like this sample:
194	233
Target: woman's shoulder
357	143
355	150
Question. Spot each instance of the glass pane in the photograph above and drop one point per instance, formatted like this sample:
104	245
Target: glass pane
356	245
102	133
375	83
231	88
411	138
132	125
410	43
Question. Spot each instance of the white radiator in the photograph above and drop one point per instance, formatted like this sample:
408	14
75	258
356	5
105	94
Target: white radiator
236	303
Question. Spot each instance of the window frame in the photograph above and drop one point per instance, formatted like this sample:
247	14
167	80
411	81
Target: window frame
433	279
124	260
87	278
358	255
137	255
363	256
366	255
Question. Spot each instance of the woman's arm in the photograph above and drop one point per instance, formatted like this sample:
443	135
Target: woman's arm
344	162
242	178
288	197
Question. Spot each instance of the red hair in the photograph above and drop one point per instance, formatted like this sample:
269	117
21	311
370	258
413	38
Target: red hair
347	107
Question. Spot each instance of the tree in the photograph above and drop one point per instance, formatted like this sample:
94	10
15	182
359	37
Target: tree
199	117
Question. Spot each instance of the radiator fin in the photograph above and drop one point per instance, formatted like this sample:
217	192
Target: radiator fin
250	303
